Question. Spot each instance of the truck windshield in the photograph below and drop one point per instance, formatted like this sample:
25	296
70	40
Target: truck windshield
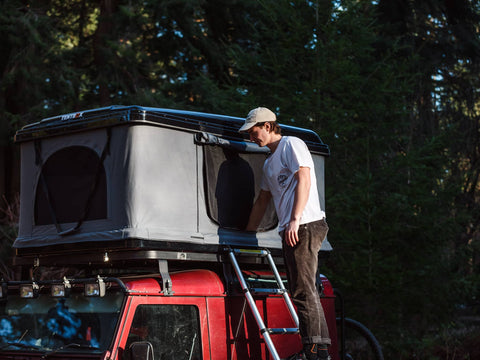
47	324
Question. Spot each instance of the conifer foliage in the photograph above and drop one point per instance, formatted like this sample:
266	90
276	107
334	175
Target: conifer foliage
390	85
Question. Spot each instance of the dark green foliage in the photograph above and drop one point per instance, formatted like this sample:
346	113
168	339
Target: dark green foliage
391	86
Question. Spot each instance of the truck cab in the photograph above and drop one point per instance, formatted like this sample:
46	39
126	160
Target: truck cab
129	219
123	318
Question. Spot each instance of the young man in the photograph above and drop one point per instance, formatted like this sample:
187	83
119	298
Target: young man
289	177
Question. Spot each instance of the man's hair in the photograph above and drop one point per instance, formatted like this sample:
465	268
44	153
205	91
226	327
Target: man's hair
275	127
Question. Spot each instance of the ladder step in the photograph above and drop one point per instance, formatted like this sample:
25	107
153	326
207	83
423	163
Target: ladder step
251	252
281	331
268	291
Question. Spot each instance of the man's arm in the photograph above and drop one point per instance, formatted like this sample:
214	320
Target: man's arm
258	210
302	192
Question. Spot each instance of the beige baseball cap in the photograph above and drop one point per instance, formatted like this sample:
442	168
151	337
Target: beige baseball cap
257	116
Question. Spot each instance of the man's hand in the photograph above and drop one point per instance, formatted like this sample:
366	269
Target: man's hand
258	210
291	232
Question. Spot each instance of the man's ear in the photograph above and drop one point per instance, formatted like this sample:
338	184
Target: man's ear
268	127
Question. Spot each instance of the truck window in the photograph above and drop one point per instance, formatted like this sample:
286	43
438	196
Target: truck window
173	330
47	324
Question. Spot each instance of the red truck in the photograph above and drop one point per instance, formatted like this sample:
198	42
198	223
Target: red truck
196	314
130	243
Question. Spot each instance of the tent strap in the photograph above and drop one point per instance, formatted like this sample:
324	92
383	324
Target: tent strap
43	181
93	187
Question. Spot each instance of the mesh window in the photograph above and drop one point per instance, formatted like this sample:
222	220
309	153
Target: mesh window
232	182
70	175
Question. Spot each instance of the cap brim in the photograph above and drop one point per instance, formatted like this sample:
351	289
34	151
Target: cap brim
246	126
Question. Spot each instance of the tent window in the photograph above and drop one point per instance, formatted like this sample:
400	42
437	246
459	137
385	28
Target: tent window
69	176
232	182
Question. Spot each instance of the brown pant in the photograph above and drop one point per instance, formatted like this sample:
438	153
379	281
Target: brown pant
302	264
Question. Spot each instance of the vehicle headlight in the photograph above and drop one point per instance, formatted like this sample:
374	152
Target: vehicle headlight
95	289
61	290
3	290
29	291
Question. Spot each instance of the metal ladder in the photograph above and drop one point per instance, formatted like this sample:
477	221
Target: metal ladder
266	332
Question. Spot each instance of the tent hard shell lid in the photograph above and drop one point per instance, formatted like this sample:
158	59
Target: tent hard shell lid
144	178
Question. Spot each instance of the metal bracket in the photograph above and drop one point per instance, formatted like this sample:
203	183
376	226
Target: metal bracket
166	281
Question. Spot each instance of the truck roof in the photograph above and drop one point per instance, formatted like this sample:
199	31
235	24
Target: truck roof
200	282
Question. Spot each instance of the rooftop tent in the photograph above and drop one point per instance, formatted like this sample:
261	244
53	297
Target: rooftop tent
130	176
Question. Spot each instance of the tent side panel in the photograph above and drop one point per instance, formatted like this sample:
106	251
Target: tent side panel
162	182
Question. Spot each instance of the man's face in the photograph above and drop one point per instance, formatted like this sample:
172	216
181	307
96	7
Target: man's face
258	135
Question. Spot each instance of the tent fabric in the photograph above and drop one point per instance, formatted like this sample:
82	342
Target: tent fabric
159	184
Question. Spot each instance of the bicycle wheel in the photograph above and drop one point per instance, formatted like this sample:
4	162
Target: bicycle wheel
360	343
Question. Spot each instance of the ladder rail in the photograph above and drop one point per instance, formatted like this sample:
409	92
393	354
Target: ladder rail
253	307
288	301
266	332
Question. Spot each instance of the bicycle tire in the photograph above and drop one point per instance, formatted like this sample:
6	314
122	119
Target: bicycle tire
361	329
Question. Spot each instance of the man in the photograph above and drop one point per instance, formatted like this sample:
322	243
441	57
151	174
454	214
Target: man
289	177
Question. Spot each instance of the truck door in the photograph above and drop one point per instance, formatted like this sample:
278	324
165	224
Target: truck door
174	326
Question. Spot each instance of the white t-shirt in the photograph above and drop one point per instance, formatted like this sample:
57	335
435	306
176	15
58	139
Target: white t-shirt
279	178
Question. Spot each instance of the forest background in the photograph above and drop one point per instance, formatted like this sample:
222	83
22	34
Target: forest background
392	86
